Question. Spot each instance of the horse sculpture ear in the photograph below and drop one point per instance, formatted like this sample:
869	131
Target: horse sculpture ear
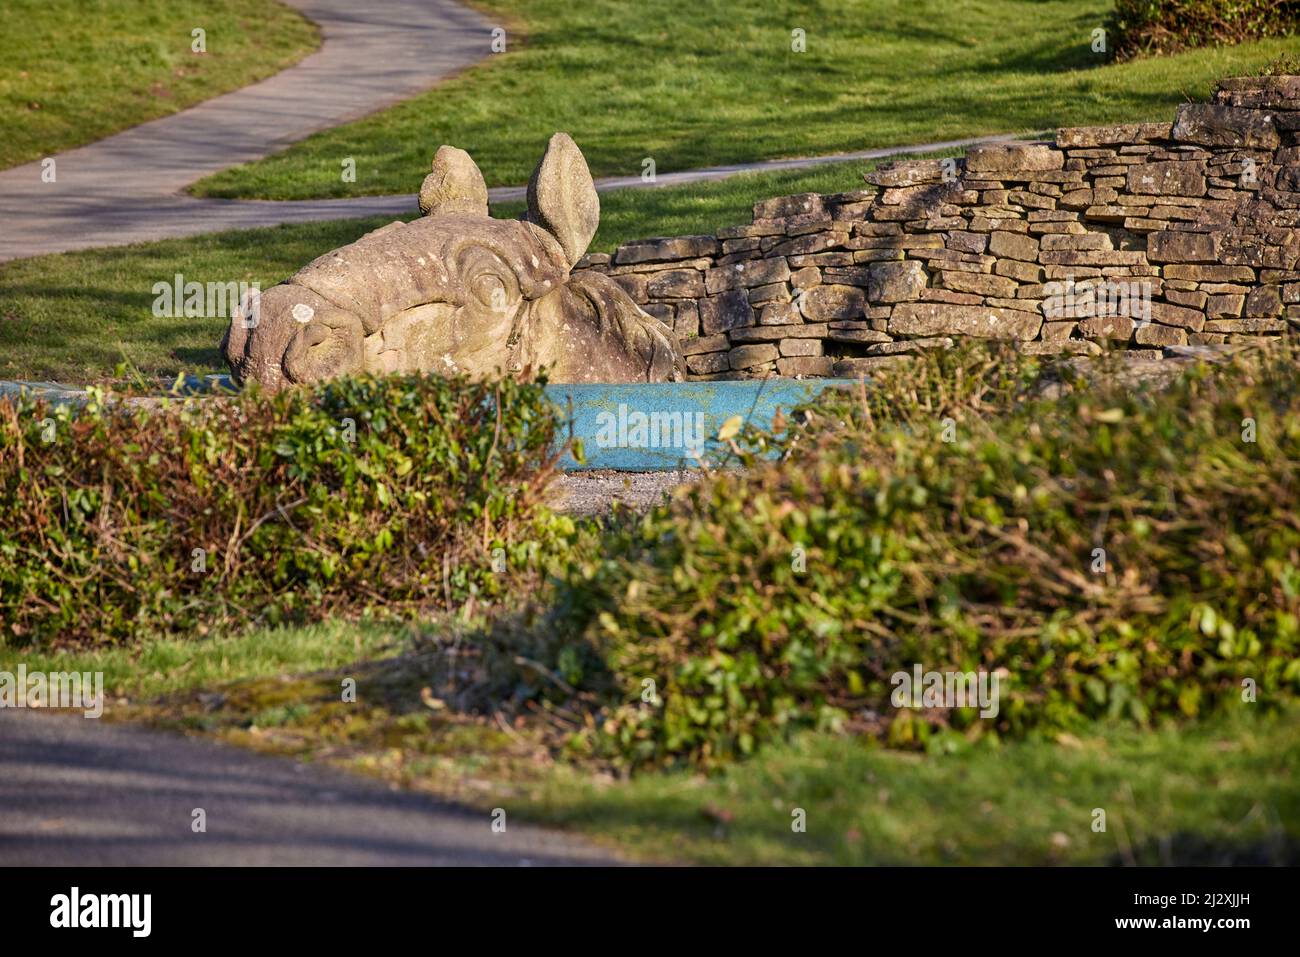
562	197
455	187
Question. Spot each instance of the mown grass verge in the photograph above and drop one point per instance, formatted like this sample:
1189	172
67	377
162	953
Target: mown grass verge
76	71
716	81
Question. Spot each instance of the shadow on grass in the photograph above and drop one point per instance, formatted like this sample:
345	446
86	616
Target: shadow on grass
1184	849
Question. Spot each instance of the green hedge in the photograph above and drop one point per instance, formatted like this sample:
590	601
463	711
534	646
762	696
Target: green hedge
788	597
367	494
1138	27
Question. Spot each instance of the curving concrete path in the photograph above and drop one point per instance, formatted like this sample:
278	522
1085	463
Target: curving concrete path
76	792
128	188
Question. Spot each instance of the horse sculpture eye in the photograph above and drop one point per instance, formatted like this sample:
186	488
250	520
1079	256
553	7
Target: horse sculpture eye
490	290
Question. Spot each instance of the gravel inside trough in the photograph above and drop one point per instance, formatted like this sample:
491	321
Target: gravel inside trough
587	493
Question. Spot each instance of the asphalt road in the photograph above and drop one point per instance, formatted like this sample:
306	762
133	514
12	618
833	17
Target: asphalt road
79	792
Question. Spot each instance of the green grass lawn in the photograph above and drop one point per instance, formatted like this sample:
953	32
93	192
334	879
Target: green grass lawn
73	317
1216	792
1221	792
78	70
164	666
712	81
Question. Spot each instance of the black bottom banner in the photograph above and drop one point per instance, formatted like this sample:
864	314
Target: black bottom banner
303	906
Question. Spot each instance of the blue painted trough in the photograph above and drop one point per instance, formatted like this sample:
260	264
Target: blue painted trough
648	427
642	427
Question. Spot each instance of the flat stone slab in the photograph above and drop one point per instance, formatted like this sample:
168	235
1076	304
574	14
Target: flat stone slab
594	491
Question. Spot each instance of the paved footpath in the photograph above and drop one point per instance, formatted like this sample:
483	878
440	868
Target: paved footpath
79	792
129	187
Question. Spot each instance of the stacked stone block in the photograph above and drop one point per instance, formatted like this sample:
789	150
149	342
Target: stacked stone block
1200	214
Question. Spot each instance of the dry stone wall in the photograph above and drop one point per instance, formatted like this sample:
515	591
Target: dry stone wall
1145	236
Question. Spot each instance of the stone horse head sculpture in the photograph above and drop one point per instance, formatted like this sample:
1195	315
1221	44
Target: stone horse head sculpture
457	291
